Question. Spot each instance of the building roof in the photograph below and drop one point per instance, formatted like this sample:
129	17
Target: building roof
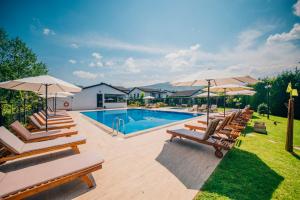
185	93
247	79
119	88
144	89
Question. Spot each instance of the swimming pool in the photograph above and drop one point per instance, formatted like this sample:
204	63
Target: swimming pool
137	119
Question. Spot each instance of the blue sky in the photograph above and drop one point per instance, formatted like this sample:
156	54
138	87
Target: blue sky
139	42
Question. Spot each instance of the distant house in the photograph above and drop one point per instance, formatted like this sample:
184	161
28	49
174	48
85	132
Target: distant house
101	95
136	93
184	97
186	93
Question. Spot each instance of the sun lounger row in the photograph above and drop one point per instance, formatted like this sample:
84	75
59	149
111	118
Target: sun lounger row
34	179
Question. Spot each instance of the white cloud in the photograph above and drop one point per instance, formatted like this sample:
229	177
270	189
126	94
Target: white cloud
97	60
131	66
72	61
97	56
247	39
86	75
297	8
98	41
293	34
248	57
74	45
47	31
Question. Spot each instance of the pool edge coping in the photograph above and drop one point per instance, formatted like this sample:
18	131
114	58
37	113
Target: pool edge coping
110	131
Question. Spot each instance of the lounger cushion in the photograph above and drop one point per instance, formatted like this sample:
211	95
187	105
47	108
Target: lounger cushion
26	135
54	118
195	134
20	130
41	134
27	147
9	140
1	176
31	176
43	121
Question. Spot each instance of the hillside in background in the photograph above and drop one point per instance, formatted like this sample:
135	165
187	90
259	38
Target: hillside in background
170	87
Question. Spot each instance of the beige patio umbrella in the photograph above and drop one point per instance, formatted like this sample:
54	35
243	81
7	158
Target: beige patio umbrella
243	80
204	94
41	84
242	92
227	88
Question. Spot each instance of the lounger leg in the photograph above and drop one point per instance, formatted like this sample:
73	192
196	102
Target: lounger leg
218	152
75	149
88	181
171	139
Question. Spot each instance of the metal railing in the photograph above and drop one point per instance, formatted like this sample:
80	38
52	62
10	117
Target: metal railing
117	124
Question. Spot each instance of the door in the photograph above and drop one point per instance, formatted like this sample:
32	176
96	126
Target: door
99	100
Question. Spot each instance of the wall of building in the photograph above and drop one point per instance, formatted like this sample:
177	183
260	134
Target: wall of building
137	93
87	99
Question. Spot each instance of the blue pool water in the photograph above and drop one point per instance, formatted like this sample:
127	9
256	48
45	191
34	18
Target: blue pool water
137	119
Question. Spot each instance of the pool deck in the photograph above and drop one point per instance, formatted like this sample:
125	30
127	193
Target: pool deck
147	166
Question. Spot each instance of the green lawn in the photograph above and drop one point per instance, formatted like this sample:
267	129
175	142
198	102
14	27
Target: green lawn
258	167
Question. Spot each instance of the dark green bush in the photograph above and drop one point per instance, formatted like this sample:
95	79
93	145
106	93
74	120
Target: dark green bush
262	109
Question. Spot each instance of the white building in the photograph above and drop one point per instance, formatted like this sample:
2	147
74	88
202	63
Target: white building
136	93
93	97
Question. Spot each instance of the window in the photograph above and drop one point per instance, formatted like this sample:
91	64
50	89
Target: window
114	98
138	95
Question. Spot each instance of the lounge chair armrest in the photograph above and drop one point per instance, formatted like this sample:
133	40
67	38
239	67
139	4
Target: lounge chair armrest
202	122
194	128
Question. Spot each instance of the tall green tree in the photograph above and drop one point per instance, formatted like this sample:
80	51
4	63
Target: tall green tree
17	61
278	95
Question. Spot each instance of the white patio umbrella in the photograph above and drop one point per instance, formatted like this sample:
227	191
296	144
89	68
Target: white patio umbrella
41	84
215	82
148	97
227	88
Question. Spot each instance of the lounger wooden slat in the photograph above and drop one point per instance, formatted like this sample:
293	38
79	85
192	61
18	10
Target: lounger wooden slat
45	178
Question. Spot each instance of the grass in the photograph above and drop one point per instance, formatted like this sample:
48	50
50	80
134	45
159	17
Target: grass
259	167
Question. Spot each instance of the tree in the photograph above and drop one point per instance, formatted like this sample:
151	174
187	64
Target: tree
16	61
278	95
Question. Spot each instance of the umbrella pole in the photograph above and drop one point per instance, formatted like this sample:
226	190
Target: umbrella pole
208	101
46	107
224	100
55	105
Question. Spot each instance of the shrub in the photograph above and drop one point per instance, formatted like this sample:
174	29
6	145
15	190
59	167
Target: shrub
262	109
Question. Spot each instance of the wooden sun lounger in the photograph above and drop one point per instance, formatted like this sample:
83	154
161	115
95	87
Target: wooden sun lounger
222	130
56	114
202	108
54	118
11	147
35	179
27	136
36	126
203	137
50	122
